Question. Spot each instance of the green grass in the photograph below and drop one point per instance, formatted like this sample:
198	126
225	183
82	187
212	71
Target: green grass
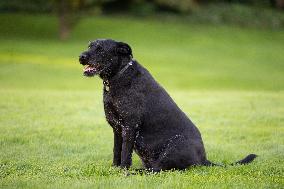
230	82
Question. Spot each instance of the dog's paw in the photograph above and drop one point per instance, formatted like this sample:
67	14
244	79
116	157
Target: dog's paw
125	166
115	164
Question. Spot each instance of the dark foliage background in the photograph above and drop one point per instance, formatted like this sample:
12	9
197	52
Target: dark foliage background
249	13
126	5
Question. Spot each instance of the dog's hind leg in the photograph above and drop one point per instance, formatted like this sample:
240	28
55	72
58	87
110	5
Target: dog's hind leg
209	163
180	153
147	171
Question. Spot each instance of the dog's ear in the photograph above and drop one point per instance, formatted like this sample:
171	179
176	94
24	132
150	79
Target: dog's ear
124	49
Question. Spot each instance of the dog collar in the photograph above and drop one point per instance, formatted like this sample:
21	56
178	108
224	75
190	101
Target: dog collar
106	82
125	68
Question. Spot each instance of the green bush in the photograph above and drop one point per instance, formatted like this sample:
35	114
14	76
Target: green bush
142	8
181	6
238	14
249	2
28	6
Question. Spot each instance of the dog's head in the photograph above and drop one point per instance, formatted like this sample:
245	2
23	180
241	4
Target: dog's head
104	56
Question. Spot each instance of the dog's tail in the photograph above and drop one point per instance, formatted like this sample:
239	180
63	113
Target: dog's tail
248	159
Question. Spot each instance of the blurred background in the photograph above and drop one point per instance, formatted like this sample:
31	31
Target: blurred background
186	44
217	44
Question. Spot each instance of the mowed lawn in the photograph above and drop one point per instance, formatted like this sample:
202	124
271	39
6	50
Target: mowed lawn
53	133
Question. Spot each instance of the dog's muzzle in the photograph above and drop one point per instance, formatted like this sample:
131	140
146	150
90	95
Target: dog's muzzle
90	70
83	59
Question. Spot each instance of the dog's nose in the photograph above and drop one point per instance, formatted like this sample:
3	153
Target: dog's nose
82	58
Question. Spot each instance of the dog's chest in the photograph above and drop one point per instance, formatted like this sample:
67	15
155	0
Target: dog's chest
112	110
111	99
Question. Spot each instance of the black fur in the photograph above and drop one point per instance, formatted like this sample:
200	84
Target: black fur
143	116
246	160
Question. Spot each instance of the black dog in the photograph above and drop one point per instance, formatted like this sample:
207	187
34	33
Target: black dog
142	114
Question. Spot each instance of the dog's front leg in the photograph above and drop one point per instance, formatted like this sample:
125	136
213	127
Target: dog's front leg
115	124
131	113
117	148
128	137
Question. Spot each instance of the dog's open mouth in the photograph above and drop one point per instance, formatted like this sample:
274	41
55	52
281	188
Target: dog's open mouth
89	70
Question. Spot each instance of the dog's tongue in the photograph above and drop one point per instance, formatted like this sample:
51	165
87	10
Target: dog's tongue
89	68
